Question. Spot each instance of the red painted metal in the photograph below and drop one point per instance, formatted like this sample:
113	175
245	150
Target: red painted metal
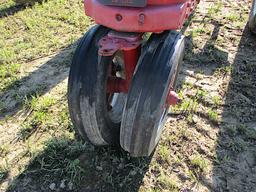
140	3
115	41
156	16
117	84
130	45
131	58
173	98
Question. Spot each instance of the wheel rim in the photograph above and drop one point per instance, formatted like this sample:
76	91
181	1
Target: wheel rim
116	101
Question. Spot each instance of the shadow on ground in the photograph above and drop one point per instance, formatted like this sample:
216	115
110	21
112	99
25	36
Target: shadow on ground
41	80
235	168
19	6
70	165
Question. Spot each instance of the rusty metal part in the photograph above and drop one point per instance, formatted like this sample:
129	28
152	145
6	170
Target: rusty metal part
115	41
129	43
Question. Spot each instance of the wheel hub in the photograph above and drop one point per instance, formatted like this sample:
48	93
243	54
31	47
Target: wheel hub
173	98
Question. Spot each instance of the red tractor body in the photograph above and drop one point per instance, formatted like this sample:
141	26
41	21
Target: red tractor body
134	16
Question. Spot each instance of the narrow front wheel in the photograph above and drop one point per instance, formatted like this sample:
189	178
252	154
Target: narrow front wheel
146	107
95	113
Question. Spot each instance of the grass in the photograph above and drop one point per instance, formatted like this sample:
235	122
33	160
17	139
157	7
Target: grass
198	31
216	100
231	130
28	40
187	106
193	105
60	157
249	132
213	115
164	153
242	130
168	183
2	106
4	149
24	97
40	116
223	70
215	9
232	17
37	103
199	162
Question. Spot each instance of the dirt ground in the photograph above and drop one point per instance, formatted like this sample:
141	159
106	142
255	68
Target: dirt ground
209	141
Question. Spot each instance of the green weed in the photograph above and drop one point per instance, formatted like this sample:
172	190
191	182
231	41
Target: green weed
216	100
223	70
40	116
187	106
232	17
215	9
164	152
213	115
199	162
4	149
60	157
198	31
193	176
201	94
168	183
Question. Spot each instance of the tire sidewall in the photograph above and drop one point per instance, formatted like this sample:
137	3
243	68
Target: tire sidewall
87	91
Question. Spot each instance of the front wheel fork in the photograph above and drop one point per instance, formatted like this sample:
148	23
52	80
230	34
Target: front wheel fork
130	45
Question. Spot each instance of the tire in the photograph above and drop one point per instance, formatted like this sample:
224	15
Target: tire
252	19
94	118
145	111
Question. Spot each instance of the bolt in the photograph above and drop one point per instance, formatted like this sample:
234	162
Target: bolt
119	17
141	19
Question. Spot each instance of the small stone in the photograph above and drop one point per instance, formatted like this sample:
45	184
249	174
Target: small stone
133	172
70	186
52	186
62	184
120	166
121	184
99	168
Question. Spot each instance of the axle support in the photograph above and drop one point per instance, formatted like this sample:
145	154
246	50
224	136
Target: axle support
129	43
